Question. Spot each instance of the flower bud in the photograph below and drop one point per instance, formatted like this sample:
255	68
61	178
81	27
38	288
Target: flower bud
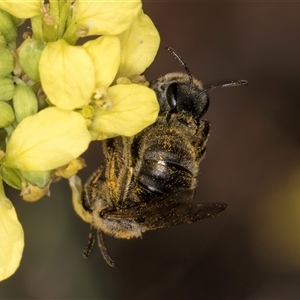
7	27
24	101
7	62
37	178
29	57
6	114
7	88
17	21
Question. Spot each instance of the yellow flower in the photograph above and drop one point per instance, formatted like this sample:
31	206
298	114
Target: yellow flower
71	169
125	109
47	140
105	53
67	75
22	9
12	237
73	94
134	107
101	17
139	46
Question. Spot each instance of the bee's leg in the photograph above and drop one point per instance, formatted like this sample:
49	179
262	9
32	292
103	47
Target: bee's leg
203	134
104	251
86	252
94	178
91	189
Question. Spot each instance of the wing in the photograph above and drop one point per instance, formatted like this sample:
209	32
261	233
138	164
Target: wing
168	211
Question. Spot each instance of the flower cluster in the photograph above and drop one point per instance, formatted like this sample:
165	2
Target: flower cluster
57	96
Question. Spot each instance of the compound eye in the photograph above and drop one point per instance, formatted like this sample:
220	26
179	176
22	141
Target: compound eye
172	95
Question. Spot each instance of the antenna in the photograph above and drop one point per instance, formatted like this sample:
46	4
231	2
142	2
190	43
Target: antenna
183	64
231	83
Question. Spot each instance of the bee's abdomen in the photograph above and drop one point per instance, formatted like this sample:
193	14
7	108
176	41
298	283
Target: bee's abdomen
165	163
165	176
162	173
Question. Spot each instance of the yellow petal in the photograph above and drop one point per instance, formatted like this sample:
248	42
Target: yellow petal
71	169
22	9
12	237
134	108
47	140
139	46
101	17
105	52
76	187
67	75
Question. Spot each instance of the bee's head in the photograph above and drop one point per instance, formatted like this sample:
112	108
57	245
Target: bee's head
182	93
178	93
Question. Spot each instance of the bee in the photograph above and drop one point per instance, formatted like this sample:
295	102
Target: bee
148	181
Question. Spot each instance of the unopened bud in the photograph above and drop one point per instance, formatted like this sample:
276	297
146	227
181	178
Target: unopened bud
17	21
39	179
7	88
29	57
24	101
7	26
7	62
6	114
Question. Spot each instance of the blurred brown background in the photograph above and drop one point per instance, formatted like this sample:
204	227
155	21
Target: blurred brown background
252	250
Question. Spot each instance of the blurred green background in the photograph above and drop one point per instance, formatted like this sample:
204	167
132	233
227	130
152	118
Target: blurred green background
252	250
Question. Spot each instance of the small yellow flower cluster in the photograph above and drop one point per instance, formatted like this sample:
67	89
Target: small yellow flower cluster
56	96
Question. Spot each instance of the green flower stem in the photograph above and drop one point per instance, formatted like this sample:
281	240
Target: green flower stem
18	80
63	18
50	30
69	16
